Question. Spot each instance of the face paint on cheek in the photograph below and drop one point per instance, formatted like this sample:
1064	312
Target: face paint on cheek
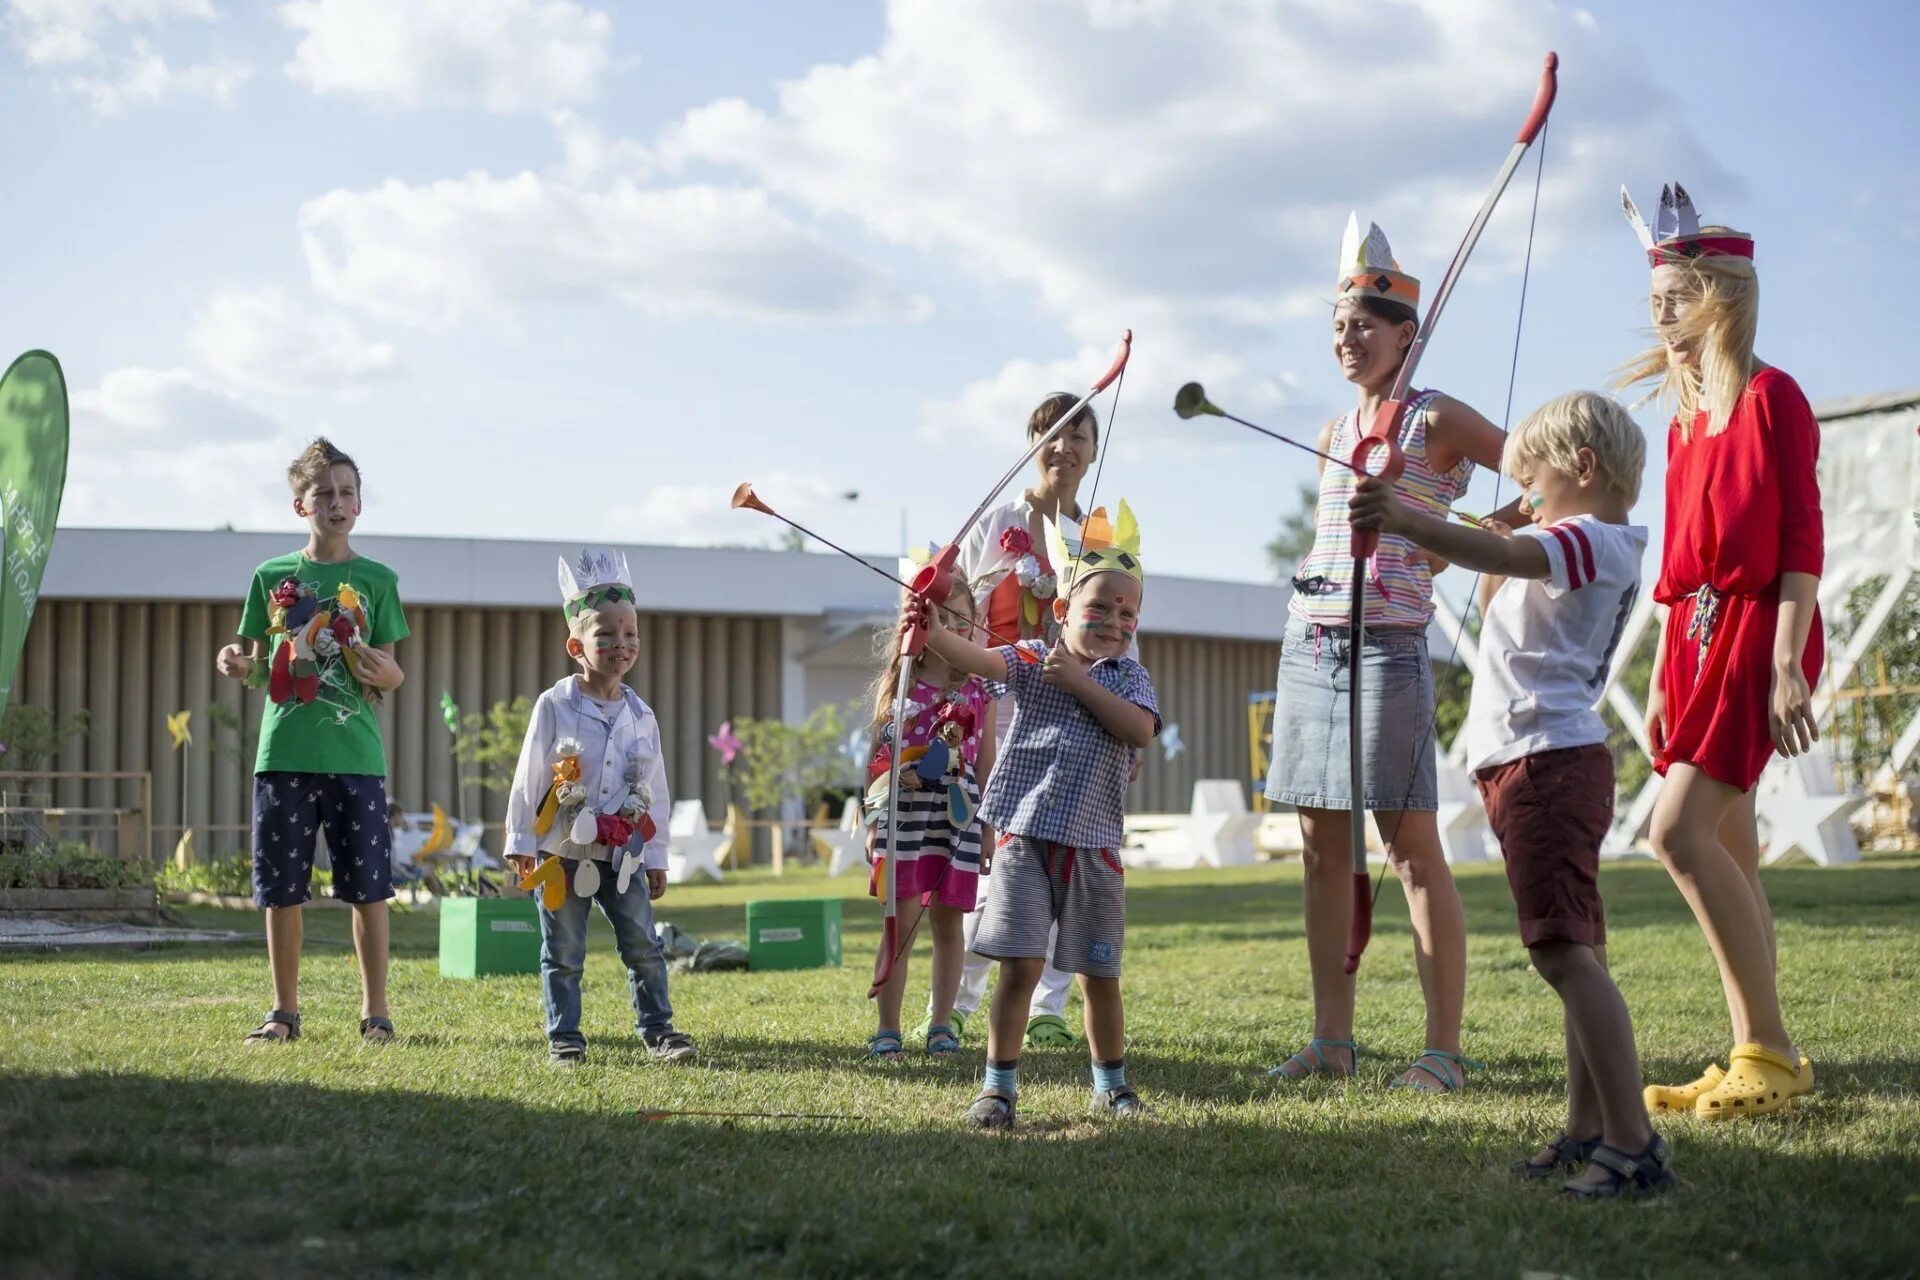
1535	500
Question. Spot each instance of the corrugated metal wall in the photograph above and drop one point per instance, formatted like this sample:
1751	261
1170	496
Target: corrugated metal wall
1202	685
130	665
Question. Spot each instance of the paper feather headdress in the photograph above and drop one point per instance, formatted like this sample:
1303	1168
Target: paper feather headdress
1676	234
1367	267
1097	546
594	578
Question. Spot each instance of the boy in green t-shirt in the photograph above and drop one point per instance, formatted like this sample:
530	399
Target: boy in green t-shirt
317	632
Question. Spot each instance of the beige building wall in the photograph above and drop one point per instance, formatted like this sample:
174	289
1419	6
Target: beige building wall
130	664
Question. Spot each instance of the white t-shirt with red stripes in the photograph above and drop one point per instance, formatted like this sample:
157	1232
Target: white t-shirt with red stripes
1546	643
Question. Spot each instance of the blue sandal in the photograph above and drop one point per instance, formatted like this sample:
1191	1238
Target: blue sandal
1319	1066
942	1042
884	1046
1452	1080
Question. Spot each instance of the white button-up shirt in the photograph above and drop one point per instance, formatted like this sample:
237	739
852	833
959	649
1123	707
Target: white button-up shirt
610	739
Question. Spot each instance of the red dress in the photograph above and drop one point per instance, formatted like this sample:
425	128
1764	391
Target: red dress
1743	507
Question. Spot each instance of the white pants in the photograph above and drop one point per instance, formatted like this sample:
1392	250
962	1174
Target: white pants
1050	997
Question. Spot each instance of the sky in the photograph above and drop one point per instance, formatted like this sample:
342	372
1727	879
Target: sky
572	270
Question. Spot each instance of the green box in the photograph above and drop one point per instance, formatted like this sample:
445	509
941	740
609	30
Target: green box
479	936
793	933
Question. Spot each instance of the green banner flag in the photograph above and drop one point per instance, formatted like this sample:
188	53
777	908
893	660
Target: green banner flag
33	475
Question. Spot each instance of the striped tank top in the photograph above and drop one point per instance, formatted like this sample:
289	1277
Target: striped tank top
1399	591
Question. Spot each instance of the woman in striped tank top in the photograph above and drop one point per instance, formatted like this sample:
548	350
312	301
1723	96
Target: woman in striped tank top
1374	322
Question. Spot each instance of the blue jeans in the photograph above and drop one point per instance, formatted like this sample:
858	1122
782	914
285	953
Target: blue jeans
563	952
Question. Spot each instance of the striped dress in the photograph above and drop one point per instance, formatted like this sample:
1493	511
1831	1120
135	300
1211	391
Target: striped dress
1399	584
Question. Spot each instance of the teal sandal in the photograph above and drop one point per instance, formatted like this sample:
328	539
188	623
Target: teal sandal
1450	1080
942	1043
884	1046
1319	1066
956	1020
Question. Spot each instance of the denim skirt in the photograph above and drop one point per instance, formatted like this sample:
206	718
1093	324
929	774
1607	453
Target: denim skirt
1310	768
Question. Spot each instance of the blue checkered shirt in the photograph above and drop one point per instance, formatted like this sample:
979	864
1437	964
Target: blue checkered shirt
1060	775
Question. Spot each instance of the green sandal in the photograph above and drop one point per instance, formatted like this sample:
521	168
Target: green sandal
1319	1066
1048	1031
1452	1080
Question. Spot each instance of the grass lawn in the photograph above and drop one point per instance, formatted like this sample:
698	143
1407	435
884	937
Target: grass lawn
138	1137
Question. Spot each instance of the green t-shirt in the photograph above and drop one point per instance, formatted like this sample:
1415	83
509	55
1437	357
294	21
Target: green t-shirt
337	732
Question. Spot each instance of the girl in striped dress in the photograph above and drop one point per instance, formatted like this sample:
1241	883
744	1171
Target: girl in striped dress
949	748
1374	322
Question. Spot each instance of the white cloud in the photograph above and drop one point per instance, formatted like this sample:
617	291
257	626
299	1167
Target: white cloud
144	79
503	55
138	407
263	341
433	254
70	35
1187	169
589	154
703	514
53	32
150	444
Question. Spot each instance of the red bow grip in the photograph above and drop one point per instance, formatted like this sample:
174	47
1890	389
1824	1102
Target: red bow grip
931	586
1386	426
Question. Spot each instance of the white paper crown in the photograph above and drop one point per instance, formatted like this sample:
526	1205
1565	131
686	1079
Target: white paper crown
593	570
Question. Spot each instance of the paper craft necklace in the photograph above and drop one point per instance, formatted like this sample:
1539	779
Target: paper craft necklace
320	641
615	827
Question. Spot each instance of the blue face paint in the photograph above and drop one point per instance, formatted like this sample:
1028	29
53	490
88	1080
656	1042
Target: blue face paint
1535	500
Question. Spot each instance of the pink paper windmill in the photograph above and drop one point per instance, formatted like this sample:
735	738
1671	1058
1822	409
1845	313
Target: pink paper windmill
723	741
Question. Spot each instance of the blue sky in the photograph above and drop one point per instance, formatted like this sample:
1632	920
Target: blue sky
572	270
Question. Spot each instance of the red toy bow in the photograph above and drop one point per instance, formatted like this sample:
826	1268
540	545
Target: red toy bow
1384	434
930	588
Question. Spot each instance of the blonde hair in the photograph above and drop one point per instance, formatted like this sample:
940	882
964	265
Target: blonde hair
885	685
1554	434
1720	322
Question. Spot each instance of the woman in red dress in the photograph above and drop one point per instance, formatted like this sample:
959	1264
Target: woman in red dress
1741	647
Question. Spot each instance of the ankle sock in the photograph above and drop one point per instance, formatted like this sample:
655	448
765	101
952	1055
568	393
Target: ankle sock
1108	1076
1004	1076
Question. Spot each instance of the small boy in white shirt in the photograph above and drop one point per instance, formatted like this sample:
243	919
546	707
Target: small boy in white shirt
590	794
1537	745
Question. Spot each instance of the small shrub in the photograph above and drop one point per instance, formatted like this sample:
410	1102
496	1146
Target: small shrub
70	865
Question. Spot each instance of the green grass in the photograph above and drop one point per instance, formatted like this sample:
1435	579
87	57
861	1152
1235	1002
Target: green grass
138	1137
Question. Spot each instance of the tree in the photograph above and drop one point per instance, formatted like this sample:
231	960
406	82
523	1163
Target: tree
489	745
1295	538
1884	692
806	763
31	736
229	740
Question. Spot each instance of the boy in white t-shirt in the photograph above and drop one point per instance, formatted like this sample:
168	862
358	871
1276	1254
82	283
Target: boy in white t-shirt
1537	746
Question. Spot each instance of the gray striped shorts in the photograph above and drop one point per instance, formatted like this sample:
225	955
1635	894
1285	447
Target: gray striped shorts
1036	883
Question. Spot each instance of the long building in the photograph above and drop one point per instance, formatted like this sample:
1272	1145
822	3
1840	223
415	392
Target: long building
129	622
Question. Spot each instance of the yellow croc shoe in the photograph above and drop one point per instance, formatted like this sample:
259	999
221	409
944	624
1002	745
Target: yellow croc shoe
1758	1082
1662	1098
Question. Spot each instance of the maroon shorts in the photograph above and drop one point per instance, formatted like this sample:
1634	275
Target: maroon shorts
1550	812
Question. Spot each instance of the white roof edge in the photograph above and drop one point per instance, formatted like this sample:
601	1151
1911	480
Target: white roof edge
1859	406
194	564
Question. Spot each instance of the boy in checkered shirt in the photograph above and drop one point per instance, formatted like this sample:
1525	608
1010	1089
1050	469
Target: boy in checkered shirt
1083	710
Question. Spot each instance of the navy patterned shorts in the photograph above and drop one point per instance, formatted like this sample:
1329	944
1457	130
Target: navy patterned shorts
290	810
